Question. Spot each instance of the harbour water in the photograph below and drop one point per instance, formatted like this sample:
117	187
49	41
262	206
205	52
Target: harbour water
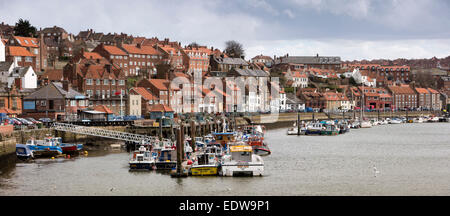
401	159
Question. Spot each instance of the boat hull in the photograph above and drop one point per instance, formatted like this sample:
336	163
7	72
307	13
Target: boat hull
142	165
46	151
23	152
204	170
259	150
166	165
329	133
242	170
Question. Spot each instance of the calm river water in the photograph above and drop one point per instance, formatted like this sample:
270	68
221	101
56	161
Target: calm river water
409	159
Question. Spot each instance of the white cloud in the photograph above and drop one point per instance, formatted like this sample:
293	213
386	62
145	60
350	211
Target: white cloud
289	13
354	8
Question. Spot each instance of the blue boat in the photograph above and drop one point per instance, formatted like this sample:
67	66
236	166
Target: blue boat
24	152
49	147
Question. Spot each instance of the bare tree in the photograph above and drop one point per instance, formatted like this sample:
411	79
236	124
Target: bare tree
234	49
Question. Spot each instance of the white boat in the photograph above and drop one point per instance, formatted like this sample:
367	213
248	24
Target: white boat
434	119
383	122
294	130
142	159
366	124
396	121
418	120
240	161
314	128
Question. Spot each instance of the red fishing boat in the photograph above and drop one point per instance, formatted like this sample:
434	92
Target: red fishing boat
254	136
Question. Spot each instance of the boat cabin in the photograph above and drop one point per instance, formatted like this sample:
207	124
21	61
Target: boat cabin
241	153
224	138
167	155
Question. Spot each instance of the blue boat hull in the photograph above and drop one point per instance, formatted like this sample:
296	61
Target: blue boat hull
23	152
45	151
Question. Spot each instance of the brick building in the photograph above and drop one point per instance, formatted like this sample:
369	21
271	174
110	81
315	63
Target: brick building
323	62
35	46
56	101
403	97
21	56
115	55
142	59
101	81
147	99
196	59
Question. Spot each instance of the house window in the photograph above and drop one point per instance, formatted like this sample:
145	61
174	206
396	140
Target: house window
88	81
113	82
105	82
121	82
97	82
73	103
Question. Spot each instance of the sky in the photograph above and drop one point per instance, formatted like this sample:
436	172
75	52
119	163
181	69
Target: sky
351	29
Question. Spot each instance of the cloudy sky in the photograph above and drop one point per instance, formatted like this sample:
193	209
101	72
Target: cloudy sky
352	29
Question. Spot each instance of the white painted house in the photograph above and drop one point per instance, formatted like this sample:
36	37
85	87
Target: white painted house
2	50
6	68
363	78
26	75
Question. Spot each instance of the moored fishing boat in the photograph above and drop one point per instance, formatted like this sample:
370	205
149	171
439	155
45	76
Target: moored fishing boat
330	130
167	159
49	147
24	152
314	128
395	121
142	159
205	164
240	161
294	130
71	148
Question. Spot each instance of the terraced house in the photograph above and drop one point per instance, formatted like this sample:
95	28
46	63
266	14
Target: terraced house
403	97
196	59
141	59
104	83
36	55
115	55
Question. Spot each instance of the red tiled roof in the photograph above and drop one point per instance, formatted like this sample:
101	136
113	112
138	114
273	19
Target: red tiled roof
145	50
401	90
160	108
19	51
432	91
422	91
53	74
92	55
146	94
103	108
113	50
27	41
160	84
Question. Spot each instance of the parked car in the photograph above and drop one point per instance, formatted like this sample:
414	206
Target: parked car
14	121
45	120
34	121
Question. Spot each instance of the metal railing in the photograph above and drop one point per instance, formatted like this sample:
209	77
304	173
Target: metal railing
111	134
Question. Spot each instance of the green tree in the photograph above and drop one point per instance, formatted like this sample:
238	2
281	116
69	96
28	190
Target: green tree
25	29
234	49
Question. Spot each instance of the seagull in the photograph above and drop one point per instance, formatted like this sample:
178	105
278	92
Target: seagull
375	171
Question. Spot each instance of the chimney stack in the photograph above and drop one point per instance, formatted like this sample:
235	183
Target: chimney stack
66	85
